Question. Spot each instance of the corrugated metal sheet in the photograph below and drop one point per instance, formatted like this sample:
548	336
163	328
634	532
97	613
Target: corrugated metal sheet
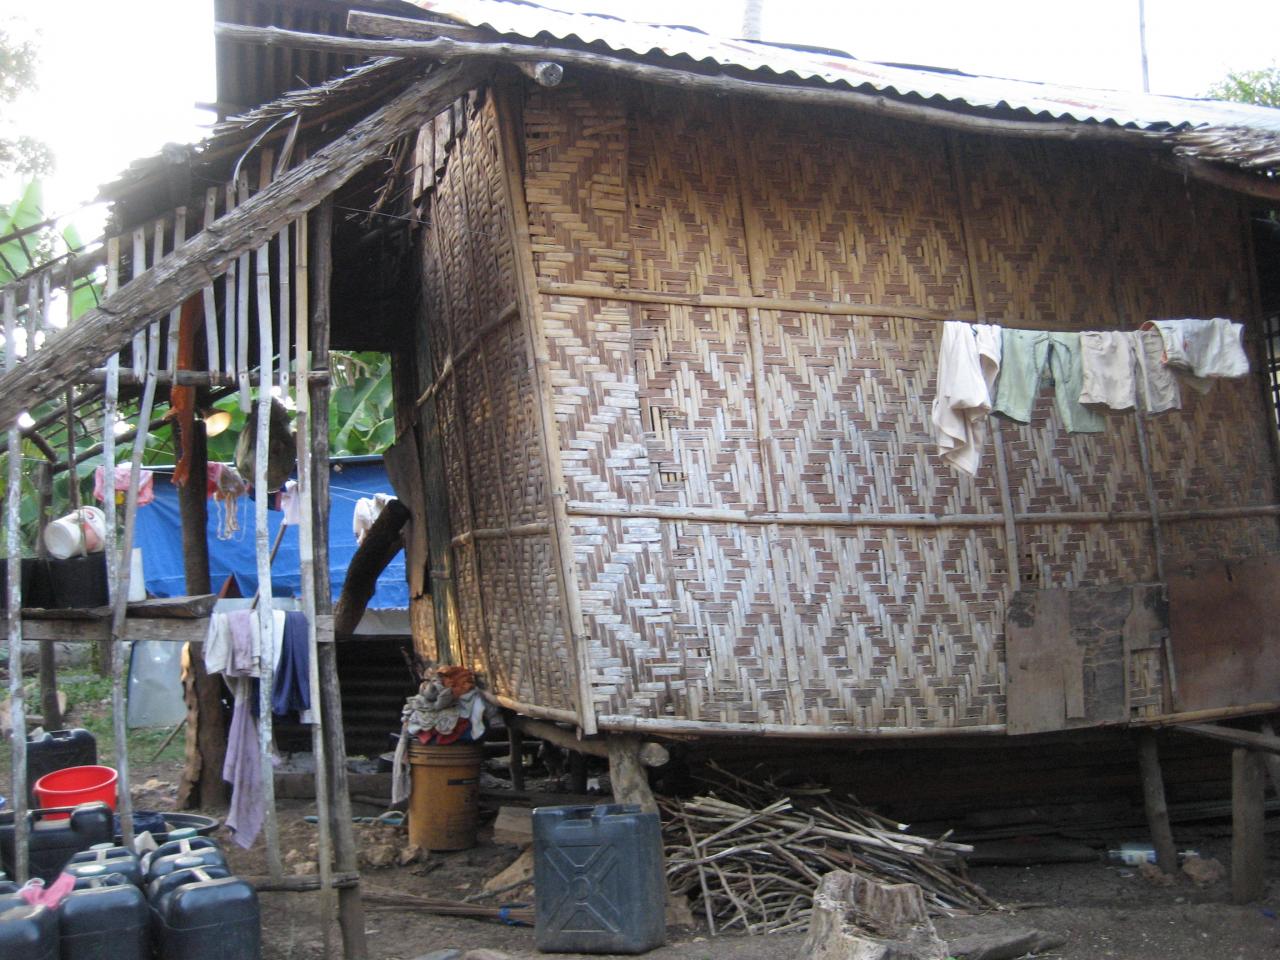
1039	100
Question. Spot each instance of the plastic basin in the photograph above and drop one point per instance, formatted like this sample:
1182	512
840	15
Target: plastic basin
75	785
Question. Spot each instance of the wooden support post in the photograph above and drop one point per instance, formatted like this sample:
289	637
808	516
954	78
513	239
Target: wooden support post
577	772
1248	841
515	754
1271	760
627	774
350	906
207	720
1154	800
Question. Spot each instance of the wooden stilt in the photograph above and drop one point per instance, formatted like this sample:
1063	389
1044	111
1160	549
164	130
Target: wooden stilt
350	906
1272	761
577	772
1154	800
627	774
515	755
1248	841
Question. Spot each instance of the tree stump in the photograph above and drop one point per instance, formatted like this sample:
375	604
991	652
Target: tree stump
855	918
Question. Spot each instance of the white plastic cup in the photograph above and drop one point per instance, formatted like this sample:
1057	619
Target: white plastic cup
137	583
79	532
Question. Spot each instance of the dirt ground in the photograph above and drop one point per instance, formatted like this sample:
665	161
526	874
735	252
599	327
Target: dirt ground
1102	911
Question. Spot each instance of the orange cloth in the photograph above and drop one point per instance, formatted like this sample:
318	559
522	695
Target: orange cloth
458	679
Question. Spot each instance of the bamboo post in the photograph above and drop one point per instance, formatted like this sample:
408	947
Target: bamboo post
350	905
212	359
515	754
306	557
261	495
49	709
242	309
230	299
539	362
1154	801
179	237
138	266
110	401
13	544
120	599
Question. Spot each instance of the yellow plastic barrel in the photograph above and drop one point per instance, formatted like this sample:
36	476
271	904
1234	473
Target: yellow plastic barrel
444	795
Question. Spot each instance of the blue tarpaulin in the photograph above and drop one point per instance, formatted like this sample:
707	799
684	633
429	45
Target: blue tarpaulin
159	534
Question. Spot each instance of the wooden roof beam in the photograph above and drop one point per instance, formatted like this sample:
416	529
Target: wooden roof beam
72	354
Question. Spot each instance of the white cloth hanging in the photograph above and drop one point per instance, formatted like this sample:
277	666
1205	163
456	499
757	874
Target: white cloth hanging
1205	348
1108	360
968	363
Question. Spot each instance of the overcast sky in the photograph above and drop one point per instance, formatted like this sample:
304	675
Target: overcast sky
120	78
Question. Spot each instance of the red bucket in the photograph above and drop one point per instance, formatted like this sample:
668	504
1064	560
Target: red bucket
73	785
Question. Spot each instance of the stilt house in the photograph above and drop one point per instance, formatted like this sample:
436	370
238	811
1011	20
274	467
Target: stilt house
664	312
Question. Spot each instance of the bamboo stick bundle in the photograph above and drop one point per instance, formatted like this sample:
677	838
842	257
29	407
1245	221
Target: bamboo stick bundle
751	862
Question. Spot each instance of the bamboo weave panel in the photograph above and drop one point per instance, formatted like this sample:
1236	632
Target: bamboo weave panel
654	405
508	607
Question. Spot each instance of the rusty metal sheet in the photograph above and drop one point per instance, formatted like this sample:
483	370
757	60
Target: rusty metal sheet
1224	634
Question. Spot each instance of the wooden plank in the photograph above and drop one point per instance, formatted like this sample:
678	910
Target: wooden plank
102	331
81	631
1037	630
1224	637
1248	822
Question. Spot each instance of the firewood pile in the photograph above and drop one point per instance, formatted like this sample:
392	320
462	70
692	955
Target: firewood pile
749	855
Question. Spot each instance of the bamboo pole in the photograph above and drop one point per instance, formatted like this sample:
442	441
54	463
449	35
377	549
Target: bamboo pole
179	238
556	288
242	311
306	558
111	395
13	544
350	905
231	323
49	709
213	361
539	362
261	496
138	267
120	598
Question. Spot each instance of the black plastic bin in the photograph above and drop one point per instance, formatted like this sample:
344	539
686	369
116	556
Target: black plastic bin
53	842
57	750
79	583
598	880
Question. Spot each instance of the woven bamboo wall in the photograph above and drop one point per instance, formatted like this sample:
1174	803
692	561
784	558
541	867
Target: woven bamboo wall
474	373
717	457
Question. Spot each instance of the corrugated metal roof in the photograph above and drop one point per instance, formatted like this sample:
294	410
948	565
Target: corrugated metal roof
1039	100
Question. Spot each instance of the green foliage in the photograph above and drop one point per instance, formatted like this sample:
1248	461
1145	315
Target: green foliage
361	409
1261	87
18	59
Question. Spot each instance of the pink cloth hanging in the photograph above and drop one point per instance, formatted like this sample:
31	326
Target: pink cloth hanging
146	484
